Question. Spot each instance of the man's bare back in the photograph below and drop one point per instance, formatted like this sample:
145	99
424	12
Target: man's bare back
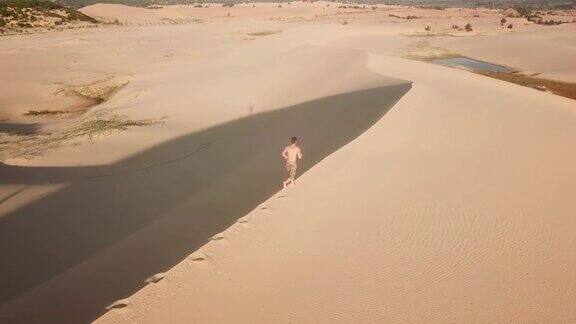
291	153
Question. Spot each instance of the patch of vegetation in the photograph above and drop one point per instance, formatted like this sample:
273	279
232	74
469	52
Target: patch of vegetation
28	146
564	89
263	33
436	6
23	14
100	126
468	27
37	4
45	112
409	17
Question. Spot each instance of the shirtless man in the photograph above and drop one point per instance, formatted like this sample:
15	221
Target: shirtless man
291	153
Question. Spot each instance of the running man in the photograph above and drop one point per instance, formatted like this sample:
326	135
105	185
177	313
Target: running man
291	153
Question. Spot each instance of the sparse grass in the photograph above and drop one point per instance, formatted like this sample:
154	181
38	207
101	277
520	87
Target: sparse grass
102	126
263	33
45	112
564	89
431	57
28	146
20	14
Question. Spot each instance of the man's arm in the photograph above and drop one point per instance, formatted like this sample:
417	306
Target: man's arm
285	153
299	153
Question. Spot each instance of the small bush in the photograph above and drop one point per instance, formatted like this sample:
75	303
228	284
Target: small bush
502	21
428	28
510	26
468	27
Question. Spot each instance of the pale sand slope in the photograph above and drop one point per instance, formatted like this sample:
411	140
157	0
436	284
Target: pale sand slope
96	234
455	207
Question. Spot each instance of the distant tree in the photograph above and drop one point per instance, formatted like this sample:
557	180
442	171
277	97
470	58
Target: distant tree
468	27
502	21
524	11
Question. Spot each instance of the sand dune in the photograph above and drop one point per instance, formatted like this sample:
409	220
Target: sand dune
427	194
237	160
453	224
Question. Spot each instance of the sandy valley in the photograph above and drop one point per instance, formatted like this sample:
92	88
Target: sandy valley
140	167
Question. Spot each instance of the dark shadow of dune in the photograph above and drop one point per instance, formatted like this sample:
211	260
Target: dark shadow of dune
19	129
68	255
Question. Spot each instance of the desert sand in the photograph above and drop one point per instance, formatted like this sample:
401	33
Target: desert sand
426	194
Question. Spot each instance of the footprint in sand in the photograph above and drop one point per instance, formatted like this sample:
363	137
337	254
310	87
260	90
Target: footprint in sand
197	256
217	237
122	303
243	220
155	278
263	207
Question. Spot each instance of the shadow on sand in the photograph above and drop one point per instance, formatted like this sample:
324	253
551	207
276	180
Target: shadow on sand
68	255
19	129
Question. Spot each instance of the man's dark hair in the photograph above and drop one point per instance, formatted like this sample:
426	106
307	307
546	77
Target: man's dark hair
293	139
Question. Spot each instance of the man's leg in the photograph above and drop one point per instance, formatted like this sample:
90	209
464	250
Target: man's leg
292	174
